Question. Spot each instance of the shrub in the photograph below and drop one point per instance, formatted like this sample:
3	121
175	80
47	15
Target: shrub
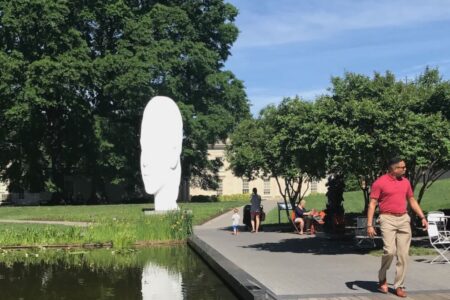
204	198
234	197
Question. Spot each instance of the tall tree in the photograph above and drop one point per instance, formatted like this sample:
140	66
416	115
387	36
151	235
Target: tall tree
368	120
282	144
78	75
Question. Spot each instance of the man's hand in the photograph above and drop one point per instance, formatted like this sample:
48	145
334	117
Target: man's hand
424	224
371	231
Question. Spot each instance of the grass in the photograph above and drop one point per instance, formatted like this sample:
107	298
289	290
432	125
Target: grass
101	213
413	251
124	225
436	198
177	258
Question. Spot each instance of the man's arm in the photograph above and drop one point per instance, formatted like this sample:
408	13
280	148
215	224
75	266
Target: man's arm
371	210
416	208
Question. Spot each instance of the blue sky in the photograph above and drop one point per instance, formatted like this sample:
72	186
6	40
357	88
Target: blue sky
293	47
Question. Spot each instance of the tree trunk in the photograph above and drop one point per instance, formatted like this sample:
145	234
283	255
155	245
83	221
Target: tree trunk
366	200
334	219
287	200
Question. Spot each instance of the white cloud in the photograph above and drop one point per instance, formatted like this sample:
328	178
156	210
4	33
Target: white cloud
413	72
285	21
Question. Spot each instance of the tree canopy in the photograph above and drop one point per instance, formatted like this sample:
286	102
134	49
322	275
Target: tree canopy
353	131
280	143
365	121
76	76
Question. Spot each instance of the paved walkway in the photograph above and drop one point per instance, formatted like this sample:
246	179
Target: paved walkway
66	223
290	266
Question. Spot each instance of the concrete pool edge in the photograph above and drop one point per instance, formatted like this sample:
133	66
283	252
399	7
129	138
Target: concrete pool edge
242	283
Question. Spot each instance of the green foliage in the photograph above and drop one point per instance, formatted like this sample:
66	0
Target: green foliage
204	198
437	198
76	76
124	225
280	143
221	198
352	184
234	197
366	121
122	233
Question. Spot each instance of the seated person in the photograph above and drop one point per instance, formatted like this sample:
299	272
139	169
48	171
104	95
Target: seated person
316	219
299	214
317	216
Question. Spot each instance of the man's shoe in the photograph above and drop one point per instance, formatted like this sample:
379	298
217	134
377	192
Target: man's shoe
400	292
383	287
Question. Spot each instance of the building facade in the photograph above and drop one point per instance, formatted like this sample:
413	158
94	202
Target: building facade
229	184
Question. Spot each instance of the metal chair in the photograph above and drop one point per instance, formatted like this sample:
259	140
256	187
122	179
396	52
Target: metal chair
439	236
361	236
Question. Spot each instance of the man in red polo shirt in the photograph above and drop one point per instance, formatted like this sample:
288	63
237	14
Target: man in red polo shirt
392	192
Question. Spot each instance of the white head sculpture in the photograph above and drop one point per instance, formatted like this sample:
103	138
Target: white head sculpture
161	142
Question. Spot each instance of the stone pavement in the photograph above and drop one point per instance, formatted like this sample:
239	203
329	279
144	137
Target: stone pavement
280	265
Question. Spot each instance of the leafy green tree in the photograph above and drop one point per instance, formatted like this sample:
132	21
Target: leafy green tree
77	75
281	143
429	128
366	121
46	75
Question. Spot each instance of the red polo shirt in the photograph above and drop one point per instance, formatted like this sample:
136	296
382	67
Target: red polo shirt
391	193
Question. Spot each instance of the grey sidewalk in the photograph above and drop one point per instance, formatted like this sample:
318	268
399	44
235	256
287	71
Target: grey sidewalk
293	266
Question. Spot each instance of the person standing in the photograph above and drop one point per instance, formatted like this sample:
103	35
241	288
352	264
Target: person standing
235	217
255	210
392	192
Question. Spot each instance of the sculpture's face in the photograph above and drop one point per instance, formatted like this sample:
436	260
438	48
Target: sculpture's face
157	164
161	139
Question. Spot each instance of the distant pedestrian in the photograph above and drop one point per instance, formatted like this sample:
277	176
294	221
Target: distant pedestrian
235	217
392	192
255	210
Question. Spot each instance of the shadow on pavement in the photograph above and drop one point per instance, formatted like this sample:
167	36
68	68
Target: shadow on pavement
371	286
311	245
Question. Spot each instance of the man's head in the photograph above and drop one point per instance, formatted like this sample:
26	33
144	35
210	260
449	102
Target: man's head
397	167
255	191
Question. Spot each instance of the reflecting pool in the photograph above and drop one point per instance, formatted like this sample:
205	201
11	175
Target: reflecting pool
174	272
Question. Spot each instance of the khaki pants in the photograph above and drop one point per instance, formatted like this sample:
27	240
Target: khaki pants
396	233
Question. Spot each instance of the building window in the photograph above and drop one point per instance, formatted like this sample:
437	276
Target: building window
245	189
220	188
267	186
313	186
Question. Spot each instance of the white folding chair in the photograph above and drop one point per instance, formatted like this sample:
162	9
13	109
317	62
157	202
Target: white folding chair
361	236
439	236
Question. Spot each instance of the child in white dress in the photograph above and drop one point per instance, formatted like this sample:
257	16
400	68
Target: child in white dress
236	217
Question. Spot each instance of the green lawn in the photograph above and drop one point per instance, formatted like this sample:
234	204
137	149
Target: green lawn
436	198
123	225
98	213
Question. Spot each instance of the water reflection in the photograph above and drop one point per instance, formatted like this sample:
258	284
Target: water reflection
157	273
158	283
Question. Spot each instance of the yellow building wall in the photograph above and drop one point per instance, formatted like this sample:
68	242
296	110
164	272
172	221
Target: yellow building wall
234	185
